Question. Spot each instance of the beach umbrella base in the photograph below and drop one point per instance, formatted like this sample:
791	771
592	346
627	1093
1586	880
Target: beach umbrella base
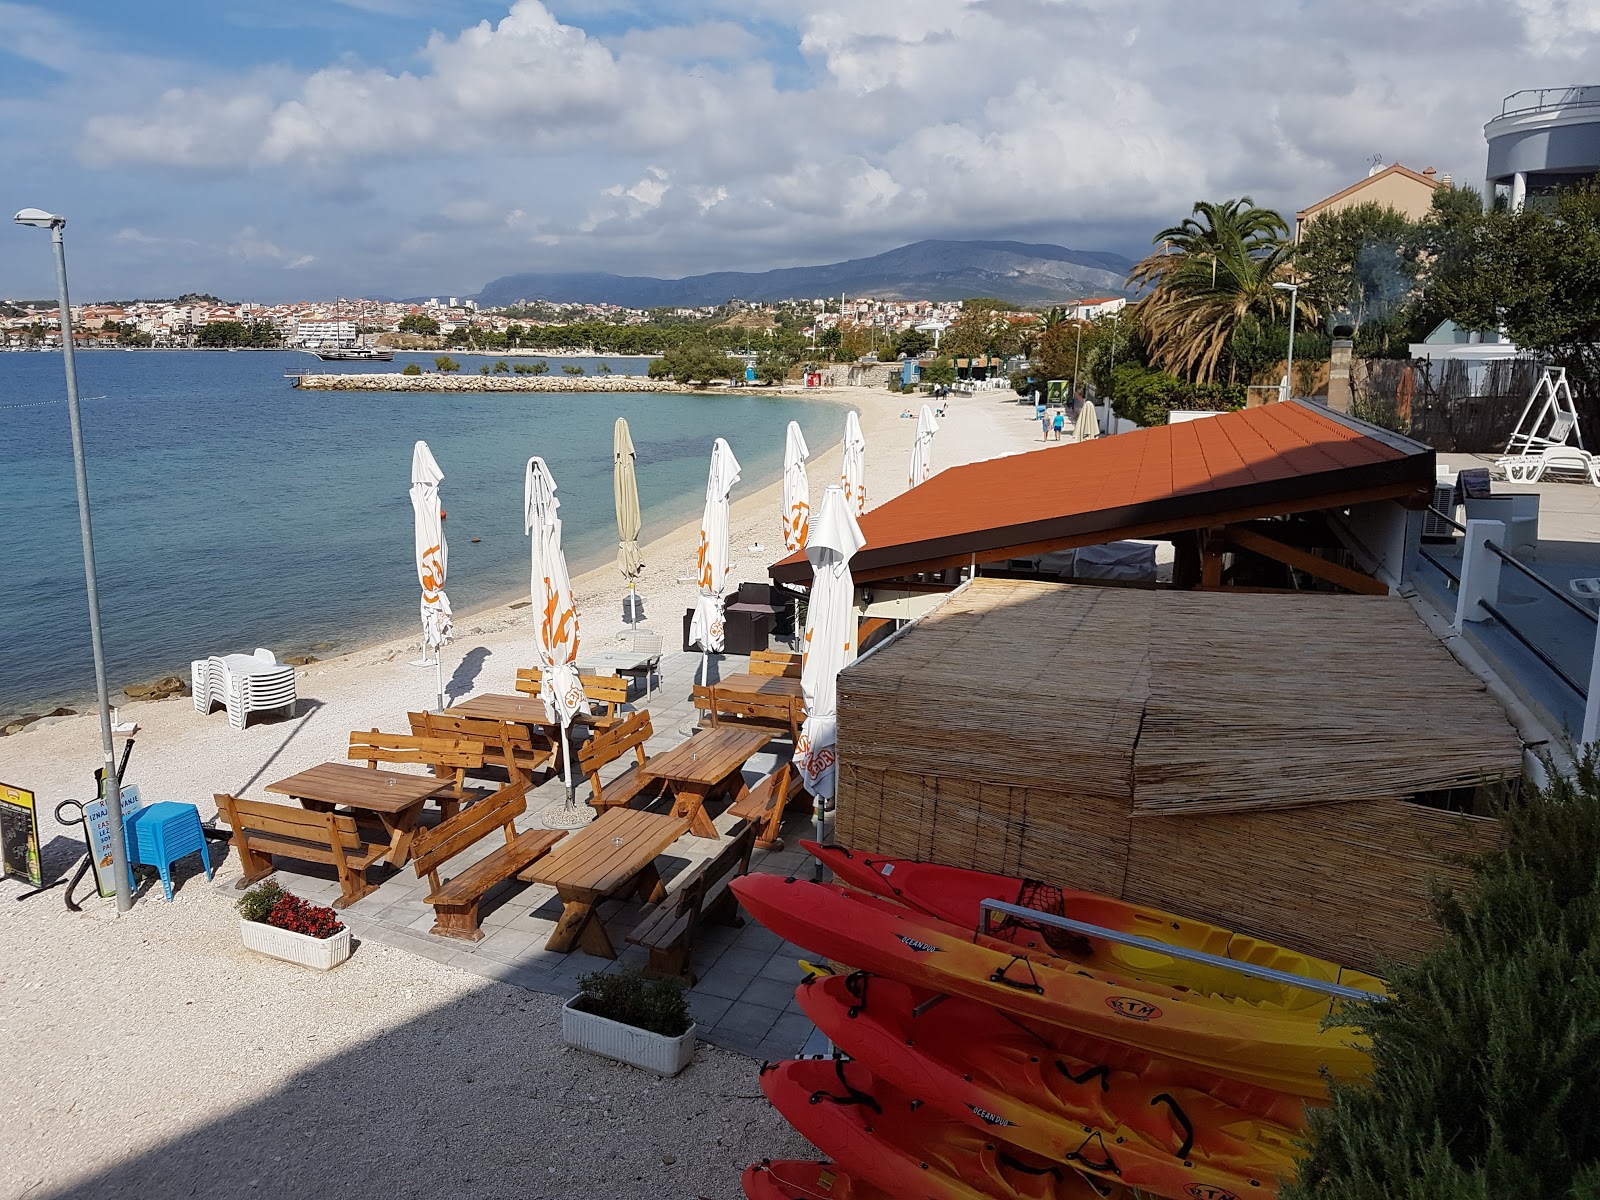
562	815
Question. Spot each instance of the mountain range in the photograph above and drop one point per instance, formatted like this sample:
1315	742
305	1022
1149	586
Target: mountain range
928	270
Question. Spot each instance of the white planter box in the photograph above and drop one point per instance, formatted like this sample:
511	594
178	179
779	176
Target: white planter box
320	953
624	1043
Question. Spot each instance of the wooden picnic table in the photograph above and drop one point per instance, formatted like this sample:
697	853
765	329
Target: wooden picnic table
698	766
393	797
609	858
521	710
768	689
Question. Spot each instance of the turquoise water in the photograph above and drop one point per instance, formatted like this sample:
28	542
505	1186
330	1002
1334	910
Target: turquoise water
232	511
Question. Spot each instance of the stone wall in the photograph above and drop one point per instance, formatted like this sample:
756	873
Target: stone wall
374	382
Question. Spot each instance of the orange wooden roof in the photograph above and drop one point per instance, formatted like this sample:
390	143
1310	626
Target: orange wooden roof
1266	461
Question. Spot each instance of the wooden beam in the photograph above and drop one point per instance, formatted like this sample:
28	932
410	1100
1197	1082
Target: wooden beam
1212	545
1301	560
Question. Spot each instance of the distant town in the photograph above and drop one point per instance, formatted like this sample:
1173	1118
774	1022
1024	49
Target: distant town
202	322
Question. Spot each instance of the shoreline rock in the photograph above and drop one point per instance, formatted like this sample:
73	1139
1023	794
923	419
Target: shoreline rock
395	382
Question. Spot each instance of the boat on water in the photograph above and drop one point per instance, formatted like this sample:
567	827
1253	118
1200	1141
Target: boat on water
355	354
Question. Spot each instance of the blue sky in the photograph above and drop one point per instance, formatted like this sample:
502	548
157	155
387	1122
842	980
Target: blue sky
317	147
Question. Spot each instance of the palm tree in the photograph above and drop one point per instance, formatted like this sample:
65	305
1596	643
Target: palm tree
1209	274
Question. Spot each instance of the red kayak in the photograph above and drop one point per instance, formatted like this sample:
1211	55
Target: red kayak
955	894
1285	1049
906	1148
1141	1124
798	1179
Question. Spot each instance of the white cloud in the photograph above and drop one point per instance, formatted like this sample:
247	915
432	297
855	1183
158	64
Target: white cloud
250	247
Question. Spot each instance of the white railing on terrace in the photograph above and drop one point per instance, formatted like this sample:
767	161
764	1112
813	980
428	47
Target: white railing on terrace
1532	100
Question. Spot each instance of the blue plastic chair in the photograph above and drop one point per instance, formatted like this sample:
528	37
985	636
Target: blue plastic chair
161	834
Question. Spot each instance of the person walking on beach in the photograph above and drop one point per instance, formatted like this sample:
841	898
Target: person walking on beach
1060	423
1044	423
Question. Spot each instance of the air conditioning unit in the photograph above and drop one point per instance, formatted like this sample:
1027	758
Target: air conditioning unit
1436	528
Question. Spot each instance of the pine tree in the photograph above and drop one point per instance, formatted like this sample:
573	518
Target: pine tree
1486	1082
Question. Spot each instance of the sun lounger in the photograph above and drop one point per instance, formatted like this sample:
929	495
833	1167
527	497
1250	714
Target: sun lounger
243	683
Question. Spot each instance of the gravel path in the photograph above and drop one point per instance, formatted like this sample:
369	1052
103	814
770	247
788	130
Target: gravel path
209	1071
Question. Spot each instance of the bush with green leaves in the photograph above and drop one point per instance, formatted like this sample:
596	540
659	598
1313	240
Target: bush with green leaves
255	904
1146	397
572	369
411	369
1486	1059
657	1005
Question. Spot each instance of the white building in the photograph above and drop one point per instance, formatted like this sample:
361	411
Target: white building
326	333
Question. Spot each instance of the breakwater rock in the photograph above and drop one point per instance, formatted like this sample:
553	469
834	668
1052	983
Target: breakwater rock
375	382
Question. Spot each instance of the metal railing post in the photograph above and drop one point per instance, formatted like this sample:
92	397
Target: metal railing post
1591	703
1480	572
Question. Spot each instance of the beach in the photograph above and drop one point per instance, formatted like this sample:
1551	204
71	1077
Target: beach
157	1028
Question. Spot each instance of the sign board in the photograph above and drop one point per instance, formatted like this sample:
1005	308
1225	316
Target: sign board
97	828
19	836
1060	391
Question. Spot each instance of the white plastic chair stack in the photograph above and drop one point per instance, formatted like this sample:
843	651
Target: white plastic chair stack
243	683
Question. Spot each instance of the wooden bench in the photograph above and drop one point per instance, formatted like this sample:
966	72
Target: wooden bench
607	690
607	746
667	930
261	830
774	662
455	901
766	712
522	753
763	805
447	756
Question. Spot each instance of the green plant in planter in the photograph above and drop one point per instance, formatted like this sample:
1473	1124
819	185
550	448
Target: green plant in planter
654	1005
255	904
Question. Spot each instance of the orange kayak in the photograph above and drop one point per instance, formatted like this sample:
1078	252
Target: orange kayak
908	1149
1055	1094
798	1179
1284	1049
954	895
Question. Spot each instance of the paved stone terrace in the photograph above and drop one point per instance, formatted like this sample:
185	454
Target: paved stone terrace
743	999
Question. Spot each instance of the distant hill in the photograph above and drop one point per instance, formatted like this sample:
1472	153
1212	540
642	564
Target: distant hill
930	270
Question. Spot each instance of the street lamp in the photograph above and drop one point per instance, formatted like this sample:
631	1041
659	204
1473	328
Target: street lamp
1077	350
40	219
1287	388
1111	385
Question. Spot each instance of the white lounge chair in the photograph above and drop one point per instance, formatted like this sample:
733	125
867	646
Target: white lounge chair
243	683
1553	462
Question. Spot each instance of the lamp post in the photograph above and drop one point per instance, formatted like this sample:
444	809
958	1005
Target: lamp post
40	219
1111	378
1293	289
1077	350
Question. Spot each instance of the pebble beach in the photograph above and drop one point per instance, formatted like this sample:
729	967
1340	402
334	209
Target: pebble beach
152	1055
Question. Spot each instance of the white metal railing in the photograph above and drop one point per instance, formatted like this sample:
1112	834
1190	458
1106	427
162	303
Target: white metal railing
1532	100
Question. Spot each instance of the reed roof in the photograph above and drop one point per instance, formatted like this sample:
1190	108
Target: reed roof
1176	702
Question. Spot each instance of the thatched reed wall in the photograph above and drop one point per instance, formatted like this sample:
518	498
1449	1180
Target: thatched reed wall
1243	759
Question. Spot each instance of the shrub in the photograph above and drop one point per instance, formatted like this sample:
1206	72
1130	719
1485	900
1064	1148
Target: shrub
1484	1084
501	367
411	369
539	368
572	369
297	916
444	364
255	904
1146	397
603	369
656	1005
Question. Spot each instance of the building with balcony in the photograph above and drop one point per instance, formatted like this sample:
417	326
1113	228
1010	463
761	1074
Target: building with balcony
1544	138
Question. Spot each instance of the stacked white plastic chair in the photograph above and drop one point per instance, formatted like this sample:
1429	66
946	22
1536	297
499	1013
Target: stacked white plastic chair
243	683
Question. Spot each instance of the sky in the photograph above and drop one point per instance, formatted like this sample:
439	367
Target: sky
305	149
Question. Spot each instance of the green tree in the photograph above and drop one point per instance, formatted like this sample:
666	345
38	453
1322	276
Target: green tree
1363	264
444	364
501	367
938	372
603	369
572	369
1533	274
982	328
1484	1082
418	323
539	367
1209	273
411	369
696	361
912	342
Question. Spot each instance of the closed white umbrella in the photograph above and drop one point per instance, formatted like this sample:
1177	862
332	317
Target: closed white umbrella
625	491
922	448
830	641
796	489
555	616
1088	424
854	473
432	557
705	630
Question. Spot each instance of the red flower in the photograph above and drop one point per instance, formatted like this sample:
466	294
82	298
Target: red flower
295	915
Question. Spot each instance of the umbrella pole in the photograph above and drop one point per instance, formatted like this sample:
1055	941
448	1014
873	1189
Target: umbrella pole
566	760
438	673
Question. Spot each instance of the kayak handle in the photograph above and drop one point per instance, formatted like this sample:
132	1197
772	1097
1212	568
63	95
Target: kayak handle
1182	1119
1102	1073
1287	978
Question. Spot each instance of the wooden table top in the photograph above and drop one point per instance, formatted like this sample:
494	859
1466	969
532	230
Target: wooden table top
360	787
525	710
708	757
604	855
761	685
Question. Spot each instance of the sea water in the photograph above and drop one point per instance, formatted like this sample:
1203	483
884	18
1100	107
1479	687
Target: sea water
233	511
